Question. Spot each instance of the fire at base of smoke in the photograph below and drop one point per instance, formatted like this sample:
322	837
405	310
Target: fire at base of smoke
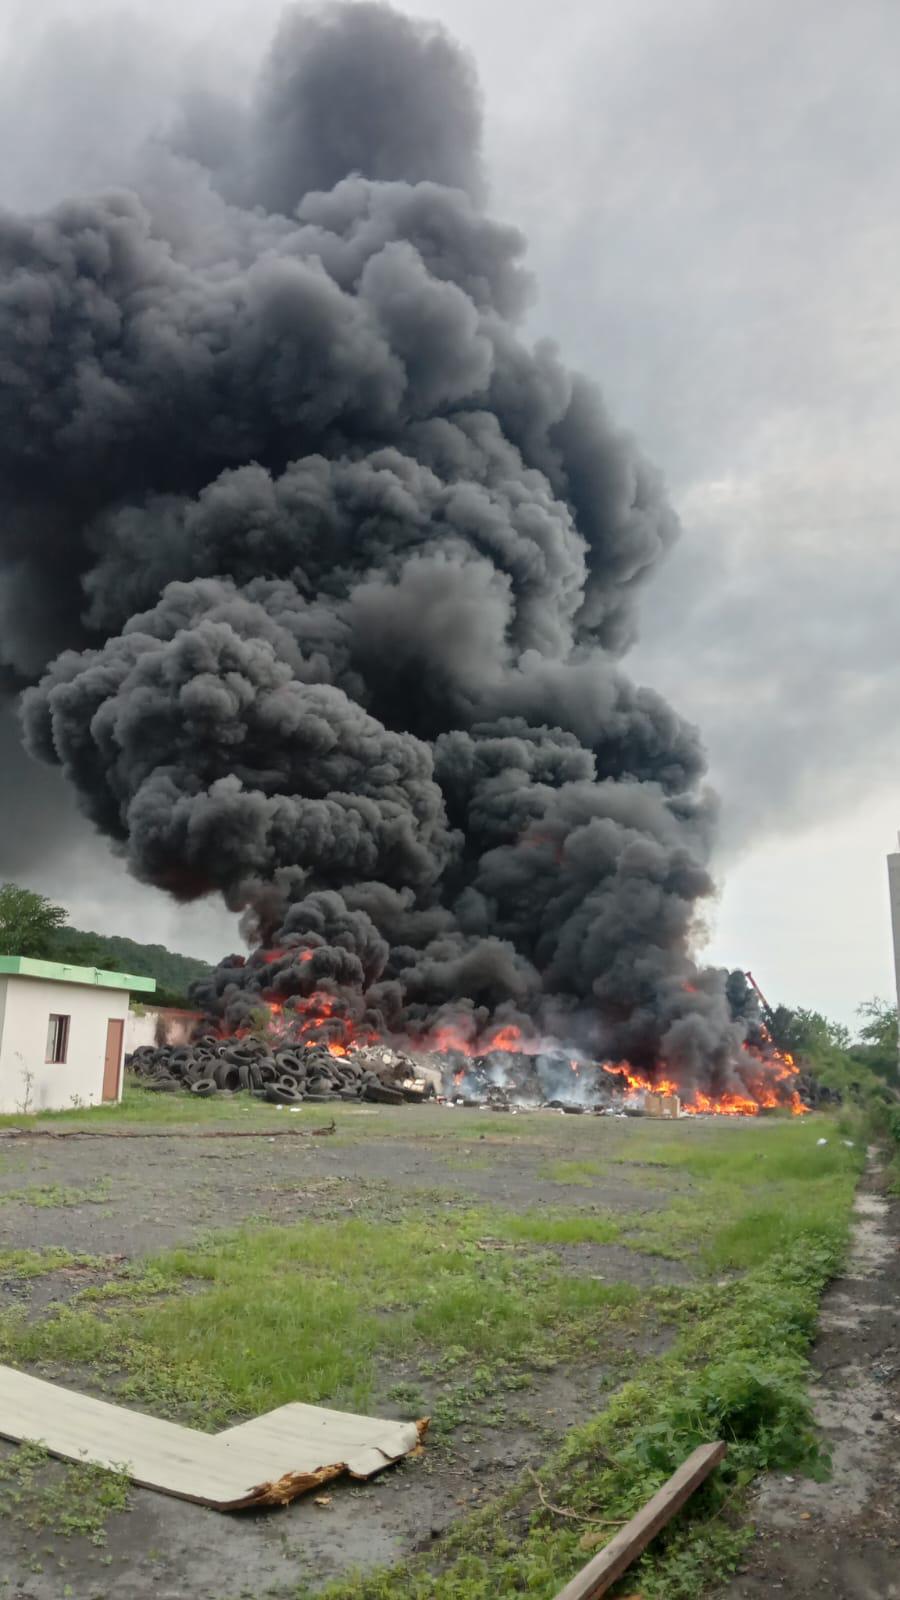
291	996
315	1045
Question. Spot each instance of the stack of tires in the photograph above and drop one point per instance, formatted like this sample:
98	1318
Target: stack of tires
283	1076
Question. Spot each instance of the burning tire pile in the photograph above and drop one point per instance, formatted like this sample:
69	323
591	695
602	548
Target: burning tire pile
287	1071
280	1075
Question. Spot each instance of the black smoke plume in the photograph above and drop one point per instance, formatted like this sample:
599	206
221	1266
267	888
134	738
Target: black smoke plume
321	573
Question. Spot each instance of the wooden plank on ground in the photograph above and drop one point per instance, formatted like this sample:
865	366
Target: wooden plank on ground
268	1461
616	1557
166	1132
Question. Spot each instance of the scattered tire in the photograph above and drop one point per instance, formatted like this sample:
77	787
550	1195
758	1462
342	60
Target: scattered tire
278	1094
380	1093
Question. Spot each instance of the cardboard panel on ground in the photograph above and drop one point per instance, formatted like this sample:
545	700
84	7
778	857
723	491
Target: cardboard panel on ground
267	1461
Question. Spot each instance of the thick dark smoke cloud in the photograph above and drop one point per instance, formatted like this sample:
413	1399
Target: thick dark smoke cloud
317	118
343	569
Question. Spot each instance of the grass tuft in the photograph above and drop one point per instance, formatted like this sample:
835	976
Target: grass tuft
541	1227
35	1263
580	1173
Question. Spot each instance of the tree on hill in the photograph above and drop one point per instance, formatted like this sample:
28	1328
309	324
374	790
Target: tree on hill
174	973
78	949
31	925
28	922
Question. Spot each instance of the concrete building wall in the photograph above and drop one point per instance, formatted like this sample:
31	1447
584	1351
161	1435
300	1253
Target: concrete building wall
156	1025
894	882
27	1080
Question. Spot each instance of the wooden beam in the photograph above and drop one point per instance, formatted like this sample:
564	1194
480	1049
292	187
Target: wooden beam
164	1131
617	1556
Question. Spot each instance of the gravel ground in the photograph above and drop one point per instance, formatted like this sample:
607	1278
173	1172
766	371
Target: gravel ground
121	1196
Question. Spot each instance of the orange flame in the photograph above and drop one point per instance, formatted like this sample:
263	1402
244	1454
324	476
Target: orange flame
508	1038
271	956
767	1086
321	1019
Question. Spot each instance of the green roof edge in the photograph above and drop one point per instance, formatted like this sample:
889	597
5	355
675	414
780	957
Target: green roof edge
62	972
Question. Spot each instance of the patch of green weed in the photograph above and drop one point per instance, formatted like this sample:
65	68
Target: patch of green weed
581	1173
543	1227
76	1499
34	1263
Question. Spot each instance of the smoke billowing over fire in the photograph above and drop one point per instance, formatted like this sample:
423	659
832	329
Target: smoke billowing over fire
342	573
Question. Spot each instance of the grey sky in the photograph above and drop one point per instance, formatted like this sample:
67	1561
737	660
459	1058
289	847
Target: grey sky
710	192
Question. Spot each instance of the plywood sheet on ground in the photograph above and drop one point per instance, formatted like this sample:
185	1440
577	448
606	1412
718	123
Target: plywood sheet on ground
268	1461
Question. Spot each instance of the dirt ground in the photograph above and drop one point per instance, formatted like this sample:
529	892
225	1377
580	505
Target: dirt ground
841	1538
121	1198
148	1194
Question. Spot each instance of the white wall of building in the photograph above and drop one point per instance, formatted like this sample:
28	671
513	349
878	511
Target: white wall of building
27	1080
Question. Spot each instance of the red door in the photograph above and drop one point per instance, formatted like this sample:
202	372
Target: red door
112	1066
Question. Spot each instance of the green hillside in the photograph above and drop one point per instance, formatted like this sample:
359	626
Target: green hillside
173	973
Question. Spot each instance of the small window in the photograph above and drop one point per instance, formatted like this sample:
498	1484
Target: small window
57	1038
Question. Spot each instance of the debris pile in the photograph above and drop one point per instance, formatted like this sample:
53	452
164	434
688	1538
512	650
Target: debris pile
287	1068
509	1080
279	1073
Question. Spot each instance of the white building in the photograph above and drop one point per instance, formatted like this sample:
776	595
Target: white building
61	1033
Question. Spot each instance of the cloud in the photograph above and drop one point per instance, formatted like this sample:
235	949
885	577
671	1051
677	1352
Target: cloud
734	273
